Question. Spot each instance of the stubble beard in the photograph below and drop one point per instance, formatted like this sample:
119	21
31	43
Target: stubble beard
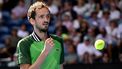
41	30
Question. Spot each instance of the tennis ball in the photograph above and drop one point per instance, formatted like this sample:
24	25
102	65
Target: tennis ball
99	44
65	36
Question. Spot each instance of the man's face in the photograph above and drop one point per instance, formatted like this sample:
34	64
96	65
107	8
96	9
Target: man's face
42	19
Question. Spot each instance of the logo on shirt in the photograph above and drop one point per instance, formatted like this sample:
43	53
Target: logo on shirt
57	49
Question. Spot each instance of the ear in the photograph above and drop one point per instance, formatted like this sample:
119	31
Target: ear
32	21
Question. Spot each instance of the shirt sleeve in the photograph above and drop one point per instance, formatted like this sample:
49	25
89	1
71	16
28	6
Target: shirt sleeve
62	52
23	54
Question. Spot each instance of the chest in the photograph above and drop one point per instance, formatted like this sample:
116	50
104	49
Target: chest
37	47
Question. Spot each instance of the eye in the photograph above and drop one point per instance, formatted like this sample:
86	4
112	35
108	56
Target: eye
48	16
42	16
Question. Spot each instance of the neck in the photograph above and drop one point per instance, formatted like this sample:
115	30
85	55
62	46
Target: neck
42	35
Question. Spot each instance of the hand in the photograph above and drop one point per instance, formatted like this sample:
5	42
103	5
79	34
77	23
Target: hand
48	45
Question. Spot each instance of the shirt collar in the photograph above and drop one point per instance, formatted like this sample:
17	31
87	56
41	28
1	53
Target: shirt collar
36	37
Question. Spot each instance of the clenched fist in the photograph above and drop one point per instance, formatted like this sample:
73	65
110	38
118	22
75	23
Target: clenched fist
48	44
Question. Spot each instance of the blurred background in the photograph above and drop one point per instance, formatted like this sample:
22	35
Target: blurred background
78	22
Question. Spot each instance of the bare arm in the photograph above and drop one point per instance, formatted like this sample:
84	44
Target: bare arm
24	66
37	63
48	46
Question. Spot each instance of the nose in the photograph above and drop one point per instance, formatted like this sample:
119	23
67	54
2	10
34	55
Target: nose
47	18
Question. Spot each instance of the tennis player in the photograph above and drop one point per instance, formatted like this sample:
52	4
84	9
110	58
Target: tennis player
40	50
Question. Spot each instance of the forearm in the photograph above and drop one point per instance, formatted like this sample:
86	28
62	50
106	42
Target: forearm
39	61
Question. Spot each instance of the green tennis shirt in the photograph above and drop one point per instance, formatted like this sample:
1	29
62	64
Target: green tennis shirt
30	47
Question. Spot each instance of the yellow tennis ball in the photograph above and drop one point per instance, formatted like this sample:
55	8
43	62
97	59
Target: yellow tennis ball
99	44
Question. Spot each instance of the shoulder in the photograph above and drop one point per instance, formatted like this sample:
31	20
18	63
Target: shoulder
25	41
58	38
